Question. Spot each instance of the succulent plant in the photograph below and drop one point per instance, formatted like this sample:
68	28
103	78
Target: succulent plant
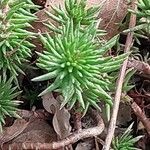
143	8
75	10
126	141
142	27
15	17
8	106
75	59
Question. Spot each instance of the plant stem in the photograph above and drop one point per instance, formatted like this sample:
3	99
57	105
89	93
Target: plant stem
141	115
128	45
77	118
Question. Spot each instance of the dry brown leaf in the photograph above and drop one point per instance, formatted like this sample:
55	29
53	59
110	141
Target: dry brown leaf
61	117
13	131
112	13
50	103
61	123
38	130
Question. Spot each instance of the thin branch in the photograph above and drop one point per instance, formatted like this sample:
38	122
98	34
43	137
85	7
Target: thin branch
77	118
128	45
139	66
141	115
85	133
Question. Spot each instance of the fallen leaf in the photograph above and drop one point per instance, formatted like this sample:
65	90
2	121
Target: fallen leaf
37	131
13	131
112	13
50	103
61	123
61	117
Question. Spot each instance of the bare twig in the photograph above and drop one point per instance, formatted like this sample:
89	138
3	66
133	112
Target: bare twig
141	115
85	133
128	45
77	118
139	66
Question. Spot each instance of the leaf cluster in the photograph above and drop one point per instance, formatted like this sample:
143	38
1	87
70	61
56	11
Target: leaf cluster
125	141
15	48
143	18
7	103
76	60
76	10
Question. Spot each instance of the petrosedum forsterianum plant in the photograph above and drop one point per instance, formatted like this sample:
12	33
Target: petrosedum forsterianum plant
74	59
143	18
8	104
126	141
143	10
76	10
15	16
